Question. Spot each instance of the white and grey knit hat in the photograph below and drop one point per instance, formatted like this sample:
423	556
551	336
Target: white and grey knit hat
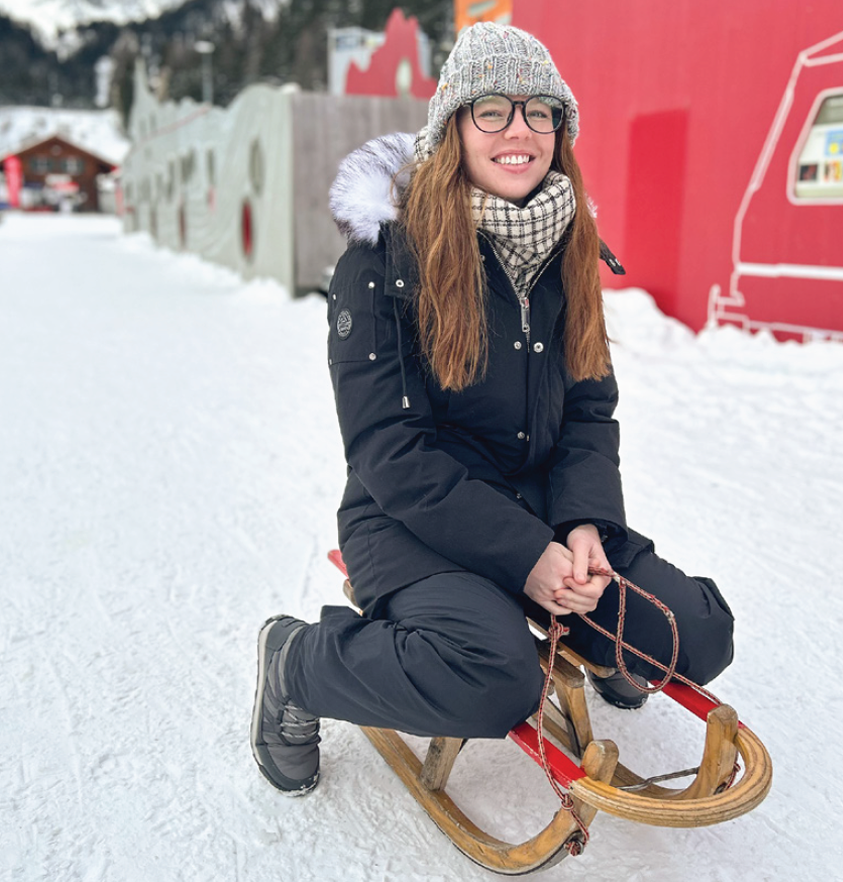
494	58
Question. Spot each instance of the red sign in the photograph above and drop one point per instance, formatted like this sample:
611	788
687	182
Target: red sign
467	12
394	68
14	178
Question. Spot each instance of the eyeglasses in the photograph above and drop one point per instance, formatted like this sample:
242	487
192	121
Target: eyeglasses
493	113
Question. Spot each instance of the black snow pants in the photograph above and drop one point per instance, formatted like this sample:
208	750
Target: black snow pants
452	654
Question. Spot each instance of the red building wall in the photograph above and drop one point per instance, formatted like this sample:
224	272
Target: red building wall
678	99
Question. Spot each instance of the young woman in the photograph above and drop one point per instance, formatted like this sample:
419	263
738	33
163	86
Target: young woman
475	395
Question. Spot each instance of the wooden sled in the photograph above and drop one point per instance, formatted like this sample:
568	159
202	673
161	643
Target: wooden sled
588	770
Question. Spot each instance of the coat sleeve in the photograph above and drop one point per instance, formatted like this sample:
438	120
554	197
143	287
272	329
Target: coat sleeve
389	434
585	479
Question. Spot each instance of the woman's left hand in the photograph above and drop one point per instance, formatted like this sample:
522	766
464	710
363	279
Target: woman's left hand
585	545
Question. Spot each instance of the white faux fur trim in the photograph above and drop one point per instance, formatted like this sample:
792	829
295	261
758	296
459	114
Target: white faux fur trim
361	197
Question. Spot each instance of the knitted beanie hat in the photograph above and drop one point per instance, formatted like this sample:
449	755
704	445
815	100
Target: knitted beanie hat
494	58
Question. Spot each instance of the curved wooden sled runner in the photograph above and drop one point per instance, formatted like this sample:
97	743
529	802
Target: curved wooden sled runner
589	770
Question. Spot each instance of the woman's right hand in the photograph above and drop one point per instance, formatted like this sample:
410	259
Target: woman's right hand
549	581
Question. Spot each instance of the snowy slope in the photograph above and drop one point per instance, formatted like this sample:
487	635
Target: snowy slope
95	130
170	467
48	17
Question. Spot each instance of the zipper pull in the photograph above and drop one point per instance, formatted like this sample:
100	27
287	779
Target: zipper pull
525	317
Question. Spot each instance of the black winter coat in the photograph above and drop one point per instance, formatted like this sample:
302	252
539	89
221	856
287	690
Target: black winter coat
481	480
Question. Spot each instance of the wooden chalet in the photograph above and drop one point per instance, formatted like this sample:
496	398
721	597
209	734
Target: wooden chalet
55	169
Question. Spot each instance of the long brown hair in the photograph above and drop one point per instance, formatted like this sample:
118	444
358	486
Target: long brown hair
451	298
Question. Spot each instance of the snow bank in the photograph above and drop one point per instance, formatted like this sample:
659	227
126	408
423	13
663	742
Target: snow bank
170	467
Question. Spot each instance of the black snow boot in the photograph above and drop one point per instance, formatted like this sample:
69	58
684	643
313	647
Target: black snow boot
617	691
285	738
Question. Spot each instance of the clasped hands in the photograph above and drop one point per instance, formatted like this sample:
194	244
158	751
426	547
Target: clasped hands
560	582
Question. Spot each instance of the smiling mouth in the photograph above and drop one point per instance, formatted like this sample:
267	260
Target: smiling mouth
513	160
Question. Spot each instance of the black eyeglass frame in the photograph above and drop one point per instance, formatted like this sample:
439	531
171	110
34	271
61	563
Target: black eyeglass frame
523	105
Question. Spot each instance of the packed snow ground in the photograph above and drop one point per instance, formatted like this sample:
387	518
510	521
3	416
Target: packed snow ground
169	470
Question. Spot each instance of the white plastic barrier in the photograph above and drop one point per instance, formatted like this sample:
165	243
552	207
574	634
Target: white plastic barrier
247	186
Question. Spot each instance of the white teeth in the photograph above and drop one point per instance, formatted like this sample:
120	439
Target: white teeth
512	160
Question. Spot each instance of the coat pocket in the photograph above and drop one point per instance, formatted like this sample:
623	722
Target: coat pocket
352	334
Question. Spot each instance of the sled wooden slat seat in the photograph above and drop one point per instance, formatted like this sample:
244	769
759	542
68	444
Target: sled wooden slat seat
587	768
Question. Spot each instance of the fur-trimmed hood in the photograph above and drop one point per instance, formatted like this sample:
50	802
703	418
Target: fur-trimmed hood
361	197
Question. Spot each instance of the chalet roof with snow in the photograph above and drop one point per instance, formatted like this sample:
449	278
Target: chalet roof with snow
95	132
59	140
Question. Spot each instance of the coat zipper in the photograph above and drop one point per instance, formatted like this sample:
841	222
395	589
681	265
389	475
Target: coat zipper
523	299
525	315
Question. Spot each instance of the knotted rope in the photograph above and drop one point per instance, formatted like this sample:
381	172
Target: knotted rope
577	843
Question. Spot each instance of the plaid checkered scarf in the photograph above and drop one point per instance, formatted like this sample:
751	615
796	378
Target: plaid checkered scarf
524	237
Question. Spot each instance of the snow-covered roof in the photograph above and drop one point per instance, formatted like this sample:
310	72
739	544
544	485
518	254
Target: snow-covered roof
96	131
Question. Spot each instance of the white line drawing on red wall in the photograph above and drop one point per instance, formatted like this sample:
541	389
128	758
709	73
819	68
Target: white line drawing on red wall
806	184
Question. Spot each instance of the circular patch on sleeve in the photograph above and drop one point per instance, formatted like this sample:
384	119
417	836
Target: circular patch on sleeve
344	324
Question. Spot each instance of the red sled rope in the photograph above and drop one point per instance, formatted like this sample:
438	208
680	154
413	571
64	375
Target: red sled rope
557	630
